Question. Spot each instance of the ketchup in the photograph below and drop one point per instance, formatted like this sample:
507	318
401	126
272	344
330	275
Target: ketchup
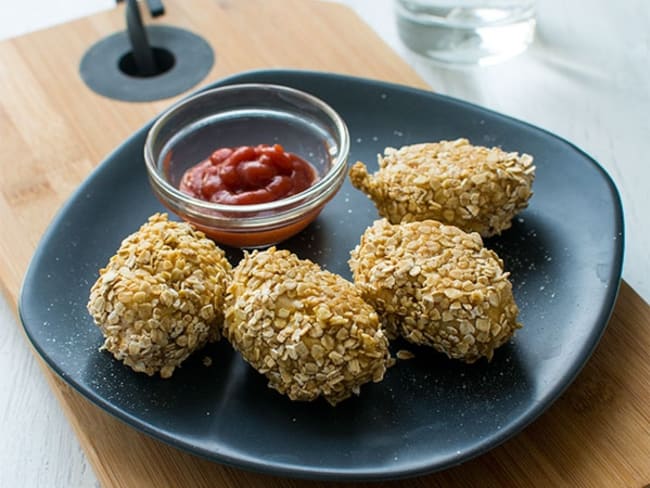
248	174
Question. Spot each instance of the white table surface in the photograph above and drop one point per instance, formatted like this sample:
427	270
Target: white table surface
586	78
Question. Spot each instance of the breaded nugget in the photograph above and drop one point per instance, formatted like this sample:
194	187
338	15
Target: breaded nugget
472	187
436	285
306	329
161	296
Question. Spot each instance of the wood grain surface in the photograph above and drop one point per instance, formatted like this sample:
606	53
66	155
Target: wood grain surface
54	131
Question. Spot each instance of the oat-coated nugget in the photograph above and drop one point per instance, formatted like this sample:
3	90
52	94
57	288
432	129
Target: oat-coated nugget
436	285
306	329
160	297
475	188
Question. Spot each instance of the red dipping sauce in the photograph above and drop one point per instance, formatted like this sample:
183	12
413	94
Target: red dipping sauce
247	175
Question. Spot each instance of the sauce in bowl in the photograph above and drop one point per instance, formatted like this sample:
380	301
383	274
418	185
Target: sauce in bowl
202	166
248	175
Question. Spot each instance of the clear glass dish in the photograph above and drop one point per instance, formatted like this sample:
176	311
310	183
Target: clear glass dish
247	114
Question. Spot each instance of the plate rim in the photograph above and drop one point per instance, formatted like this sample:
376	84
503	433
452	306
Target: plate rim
300	472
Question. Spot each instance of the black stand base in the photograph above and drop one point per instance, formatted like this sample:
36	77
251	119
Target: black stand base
183	59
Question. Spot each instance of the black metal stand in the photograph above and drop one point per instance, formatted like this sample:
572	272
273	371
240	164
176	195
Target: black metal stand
144	64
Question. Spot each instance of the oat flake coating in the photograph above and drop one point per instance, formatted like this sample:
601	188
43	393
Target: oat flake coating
306	329
436	285
160	297
475	188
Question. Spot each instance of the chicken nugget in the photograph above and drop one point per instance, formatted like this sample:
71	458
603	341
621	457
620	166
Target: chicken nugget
472	187
306	329
160	297
437	286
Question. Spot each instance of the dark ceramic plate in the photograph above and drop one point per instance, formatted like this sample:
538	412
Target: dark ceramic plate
564	253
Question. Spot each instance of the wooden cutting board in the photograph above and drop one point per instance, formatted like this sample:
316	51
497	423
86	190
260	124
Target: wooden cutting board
54	130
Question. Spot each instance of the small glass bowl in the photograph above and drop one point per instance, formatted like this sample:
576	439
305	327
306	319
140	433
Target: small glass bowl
247	114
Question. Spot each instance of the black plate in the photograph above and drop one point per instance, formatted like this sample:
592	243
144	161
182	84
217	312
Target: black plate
564	252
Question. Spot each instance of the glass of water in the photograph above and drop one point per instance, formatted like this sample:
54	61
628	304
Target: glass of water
466	32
